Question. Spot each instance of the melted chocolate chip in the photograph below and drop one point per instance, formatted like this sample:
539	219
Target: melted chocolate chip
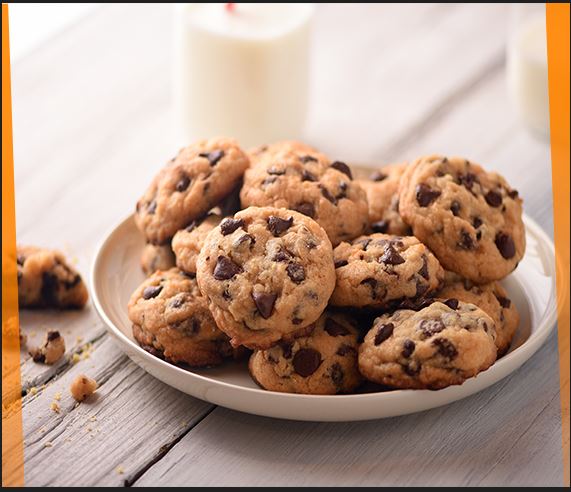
307	158
277	225
381	226
493	199
425	195
325	192
286	349
423	272
225	268
504	301
390	256
476	222
430	327
344	168
466	241
306	361
336	372
264	303
176	302
378	176
408	348
505	245
452	303
213	157
152	291
306	208
455	208
445	348
335	329
50	285
345	349
229	225
307	176
183	183
296	272
341	263
384	332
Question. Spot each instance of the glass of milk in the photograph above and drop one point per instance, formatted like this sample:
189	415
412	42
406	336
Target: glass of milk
241	70
527	67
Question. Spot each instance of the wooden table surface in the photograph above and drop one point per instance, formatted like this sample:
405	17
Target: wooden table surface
93	121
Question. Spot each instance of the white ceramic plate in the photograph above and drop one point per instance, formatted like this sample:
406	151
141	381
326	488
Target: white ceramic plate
116	273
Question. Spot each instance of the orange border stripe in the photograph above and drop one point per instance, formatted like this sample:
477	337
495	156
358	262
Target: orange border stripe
12	440
558	63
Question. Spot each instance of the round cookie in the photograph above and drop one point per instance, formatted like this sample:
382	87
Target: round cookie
200	176
171	320
267	273
321	363
156	257
46	280
188	242
440	345
262	152
469	218
490	298
382	188
311	185
382	271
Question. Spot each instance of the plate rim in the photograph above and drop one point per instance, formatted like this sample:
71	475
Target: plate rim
518	357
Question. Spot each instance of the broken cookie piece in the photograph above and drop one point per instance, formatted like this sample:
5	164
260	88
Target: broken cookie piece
46	280
51	351
82	387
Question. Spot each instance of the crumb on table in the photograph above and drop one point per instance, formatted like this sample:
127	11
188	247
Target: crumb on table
82	386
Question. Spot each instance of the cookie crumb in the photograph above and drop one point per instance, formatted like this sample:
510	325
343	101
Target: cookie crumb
51	351
33	390
57	396
55	407
75	358
120	470
82	386
48	444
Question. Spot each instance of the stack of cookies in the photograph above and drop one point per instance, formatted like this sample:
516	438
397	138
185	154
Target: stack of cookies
326	281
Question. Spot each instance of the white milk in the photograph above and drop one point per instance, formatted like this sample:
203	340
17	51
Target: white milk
241	71
527	74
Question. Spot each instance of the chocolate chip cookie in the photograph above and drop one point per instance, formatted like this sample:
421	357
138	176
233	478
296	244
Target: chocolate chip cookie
381	270
382	188
200	176
469	218
312	185
491	298
188	242
262	152
322	363
438	346
157	257
267	273
171	320
46	280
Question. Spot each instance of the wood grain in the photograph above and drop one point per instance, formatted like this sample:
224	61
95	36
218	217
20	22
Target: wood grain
93	122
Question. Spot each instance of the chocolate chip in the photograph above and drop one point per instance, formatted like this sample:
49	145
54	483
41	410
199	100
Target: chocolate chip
38	356
307	176
373	285
430	327
296	272
226	295
363	242
505	245
390	256
455	208
20	260
466	241
286	349
282	255
229	225
297	321
467	180
306	361
341	263
452	303
306	208
276	171
307	158
378	176
504	301
152	207
176	302
421	288
423	272
310	244
513	194
152	291
412	369
408	348
478	235
493	199
476	222
384	332
244	238
70	284
191	275
270	180
381	226
445	348
213	157
48	292
425	195
325	192
52	335
335	329
277	225
225	268
264	303
345	349
183	183
336	373
344	168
